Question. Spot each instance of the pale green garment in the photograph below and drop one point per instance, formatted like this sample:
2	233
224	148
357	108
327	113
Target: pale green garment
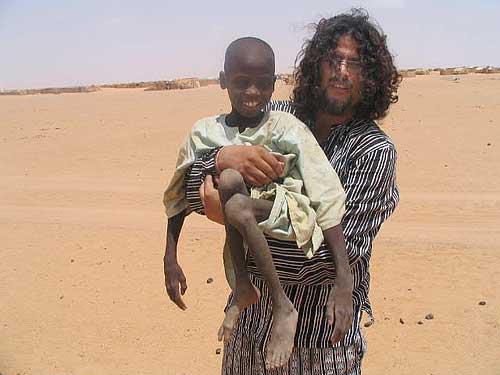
308	200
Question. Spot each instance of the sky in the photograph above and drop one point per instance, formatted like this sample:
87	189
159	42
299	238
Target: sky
54	43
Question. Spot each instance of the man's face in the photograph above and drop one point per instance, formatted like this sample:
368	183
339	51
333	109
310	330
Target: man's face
250	85
341	78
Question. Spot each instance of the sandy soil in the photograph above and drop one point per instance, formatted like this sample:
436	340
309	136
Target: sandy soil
82	228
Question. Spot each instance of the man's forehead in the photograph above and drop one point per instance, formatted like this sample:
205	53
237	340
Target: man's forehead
346	46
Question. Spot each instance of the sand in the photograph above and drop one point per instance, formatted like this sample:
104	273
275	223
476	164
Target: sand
82	228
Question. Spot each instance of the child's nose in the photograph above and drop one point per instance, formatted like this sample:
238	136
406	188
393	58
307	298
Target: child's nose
252	90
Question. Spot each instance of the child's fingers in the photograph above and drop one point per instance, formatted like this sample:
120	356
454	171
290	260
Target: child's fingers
176	298
179	302
183	286
220	333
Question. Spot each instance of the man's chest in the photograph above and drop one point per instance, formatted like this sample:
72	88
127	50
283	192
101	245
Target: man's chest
339	154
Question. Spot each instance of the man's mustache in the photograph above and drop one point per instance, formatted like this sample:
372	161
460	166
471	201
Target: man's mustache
345	83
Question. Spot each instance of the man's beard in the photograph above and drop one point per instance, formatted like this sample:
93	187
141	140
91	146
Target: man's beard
334	106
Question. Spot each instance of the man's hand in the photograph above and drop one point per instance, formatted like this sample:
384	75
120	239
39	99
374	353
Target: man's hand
210	199
257	165
339	310
173	278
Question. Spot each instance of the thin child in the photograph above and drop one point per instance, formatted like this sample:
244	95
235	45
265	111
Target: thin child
305	205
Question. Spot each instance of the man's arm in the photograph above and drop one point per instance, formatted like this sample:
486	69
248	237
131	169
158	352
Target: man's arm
339	309
257	166
203	166
174	276
372	196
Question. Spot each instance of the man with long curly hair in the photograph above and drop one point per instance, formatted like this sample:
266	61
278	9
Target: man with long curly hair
345	80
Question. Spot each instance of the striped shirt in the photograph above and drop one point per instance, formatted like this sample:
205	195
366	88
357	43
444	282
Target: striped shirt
365	160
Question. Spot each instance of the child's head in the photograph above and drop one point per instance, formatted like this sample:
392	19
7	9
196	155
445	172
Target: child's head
248	75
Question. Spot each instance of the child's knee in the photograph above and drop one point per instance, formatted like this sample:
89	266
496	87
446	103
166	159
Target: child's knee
230	182
238	210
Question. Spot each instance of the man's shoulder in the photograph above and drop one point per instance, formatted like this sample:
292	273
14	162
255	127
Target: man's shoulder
367	136
282	106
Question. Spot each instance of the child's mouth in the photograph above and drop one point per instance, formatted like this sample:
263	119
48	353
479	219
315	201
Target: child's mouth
251	104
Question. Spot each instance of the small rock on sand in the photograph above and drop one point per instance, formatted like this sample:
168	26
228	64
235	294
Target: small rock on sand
482	303
429	316
217	351
401	321
420	322
210	280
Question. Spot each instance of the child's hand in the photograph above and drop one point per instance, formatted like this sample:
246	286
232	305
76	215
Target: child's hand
339	310
174	276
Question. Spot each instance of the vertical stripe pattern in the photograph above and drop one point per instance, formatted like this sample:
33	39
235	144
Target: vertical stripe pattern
365	160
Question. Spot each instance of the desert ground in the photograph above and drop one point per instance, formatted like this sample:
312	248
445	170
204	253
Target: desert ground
82	223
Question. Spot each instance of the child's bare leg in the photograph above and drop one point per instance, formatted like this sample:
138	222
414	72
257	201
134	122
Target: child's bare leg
243	213
245	293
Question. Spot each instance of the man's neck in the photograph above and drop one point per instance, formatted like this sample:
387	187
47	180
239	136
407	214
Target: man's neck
325	121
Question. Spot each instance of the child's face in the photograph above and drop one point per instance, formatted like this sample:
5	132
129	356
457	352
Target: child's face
250	85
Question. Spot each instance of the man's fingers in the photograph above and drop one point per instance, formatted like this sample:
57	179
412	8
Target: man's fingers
341	326
265	168
202	193
336	335
276	162
257	178
337	330
209	188
330	307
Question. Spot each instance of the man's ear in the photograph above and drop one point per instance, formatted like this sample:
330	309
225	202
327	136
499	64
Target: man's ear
222	80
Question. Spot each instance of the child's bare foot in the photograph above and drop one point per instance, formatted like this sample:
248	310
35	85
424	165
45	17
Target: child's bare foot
282	336
245	294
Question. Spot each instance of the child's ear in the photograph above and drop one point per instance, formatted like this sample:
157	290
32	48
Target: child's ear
222	80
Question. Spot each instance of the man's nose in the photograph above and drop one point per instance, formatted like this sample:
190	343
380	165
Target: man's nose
341	69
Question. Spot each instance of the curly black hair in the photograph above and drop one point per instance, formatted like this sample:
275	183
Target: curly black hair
380	78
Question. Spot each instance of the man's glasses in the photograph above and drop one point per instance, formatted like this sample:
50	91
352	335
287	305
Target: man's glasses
336	62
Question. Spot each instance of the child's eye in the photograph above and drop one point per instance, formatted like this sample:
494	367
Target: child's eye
241	83
265	83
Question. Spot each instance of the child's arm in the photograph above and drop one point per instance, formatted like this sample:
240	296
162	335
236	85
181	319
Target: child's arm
339	309
174	276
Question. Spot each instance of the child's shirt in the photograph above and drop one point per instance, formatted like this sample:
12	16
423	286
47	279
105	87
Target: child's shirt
308	200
